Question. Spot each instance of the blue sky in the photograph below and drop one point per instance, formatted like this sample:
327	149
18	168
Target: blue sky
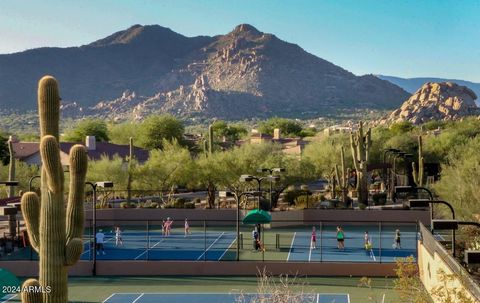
401	38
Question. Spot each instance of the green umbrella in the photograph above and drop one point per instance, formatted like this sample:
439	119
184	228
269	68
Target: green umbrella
257	216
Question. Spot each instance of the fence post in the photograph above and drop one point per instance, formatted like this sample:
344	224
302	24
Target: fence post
380	241
148	240
204	240
321	241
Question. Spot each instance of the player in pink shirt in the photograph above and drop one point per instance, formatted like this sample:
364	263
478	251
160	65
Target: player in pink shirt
168	226
313	241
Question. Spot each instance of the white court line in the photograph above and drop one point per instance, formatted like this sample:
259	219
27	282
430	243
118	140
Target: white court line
138	298
90	248
11	297
291	245
234	240
109	297
149	248
348	297
210	246
318	298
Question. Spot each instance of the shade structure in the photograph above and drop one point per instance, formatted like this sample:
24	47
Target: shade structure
257	216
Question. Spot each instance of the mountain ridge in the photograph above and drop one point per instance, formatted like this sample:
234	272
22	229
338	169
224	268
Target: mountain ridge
255	72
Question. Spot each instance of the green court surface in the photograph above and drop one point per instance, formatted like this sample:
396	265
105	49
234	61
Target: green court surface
88	289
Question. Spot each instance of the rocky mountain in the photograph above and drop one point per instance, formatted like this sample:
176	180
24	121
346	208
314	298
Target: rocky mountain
412	84
151	69
436	101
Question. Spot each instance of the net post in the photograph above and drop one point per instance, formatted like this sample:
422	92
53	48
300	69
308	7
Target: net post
277	244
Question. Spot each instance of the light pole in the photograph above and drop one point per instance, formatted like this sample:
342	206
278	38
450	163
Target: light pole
248	178
94	186
272	178
225	194
426	203
31	181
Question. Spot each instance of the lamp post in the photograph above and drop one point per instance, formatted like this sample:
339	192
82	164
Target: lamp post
426	203
31	181
249	178
272	178
94	186
225	194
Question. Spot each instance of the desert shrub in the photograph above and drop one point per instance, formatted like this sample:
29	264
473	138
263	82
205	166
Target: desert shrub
379	198
190	205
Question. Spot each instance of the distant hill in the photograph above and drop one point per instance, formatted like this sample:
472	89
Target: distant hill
151	69
411	85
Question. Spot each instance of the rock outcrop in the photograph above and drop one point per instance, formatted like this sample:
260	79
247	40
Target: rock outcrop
436	101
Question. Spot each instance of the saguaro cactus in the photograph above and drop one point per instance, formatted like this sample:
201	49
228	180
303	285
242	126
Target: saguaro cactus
210	139
360	143
54	233
130	168
11	167
418	175
343	178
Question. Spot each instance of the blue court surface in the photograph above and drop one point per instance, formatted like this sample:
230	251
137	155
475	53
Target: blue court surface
211	246
219	298
383	248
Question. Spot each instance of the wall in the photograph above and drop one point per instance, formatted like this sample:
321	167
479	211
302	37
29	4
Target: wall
206	268
429	267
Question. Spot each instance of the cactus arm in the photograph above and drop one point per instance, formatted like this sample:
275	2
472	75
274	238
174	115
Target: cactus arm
420	171
210	139
48	106
78	171
50	153
11	168
31	297
31	215
338	175
414	171
354	152
73	251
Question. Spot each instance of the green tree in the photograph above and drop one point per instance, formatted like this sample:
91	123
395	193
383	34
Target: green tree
289	128
324	154
120	133
460	179
87	127
155	129
4	153
166	167
232	132
114	170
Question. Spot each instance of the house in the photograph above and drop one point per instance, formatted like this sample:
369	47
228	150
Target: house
291	146
29	152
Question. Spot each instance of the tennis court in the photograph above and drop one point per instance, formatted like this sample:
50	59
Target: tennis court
219	298
290	243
